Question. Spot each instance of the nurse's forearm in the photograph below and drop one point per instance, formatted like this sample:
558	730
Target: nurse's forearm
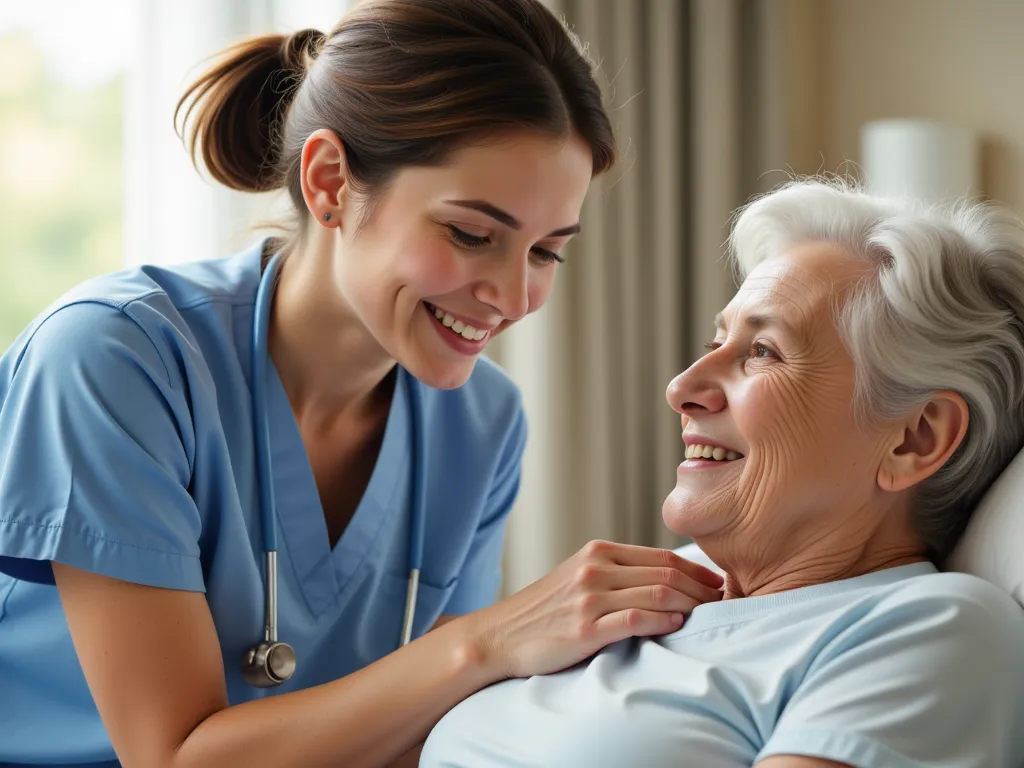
370	718
410	759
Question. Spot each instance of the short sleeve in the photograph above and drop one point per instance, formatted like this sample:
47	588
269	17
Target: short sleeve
480	577
931	679
95	454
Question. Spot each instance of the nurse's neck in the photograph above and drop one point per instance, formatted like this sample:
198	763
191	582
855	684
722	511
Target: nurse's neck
329	363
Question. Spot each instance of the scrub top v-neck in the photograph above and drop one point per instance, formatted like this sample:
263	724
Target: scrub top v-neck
324	575
126	449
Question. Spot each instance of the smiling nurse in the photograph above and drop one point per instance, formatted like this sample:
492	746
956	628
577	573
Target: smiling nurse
264	447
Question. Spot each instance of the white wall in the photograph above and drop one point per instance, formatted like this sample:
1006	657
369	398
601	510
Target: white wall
955	60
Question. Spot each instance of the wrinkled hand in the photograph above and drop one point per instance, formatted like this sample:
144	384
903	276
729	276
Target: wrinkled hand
604	593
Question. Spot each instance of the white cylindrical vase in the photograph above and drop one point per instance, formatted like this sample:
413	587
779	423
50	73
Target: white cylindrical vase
927	160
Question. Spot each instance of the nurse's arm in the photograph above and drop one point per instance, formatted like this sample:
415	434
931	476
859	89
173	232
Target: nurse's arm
411	759
153	664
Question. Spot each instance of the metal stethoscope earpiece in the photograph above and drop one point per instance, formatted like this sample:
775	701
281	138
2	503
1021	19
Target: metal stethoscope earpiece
271	662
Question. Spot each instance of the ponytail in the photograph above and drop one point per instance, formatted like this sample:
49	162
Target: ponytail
234	112
402	83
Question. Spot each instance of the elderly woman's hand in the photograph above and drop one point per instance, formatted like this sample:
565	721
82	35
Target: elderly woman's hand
604	593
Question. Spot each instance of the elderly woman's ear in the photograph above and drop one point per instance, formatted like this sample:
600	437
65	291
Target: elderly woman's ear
924	442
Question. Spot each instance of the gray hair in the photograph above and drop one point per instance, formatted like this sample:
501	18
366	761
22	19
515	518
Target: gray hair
943	310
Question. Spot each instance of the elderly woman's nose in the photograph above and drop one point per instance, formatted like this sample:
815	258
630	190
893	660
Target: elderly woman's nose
693	391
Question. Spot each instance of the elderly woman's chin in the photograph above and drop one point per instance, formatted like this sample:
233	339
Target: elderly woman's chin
696	512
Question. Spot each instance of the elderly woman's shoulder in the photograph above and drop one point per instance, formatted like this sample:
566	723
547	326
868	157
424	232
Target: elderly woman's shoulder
956	600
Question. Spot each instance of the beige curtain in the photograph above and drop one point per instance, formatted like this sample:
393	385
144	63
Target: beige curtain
637	296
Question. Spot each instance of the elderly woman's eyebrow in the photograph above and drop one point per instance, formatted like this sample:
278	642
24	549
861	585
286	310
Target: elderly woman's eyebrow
759	321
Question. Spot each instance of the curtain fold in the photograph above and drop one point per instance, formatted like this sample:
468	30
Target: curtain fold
637	296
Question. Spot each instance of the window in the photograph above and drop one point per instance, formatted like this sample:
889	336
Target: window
60	149
93	175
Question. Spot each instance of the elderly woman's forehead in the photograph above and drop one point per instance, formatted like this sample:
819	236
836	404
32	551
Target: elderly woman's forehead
785	282
798	284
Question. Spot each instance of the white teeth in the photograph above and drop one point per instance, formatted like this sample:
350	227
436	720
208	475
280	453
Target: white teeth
717	453
467	332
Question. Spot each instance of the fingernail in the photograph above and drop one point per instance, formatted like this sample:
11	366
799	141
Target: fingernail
677	618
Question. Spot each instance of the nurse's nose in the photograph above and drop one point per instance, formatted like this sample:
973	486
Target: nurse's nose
506	287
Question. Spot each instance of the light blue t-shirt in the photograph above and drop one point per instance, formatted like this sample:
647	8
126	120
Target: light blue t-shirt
899	668
126	449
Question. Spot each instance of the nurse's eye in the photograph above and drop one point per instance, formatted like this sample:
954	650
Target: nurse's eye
467	240
548	257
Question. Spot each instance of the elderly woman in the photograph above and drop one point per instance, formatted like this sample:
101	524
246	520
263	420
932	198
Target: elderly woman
863	388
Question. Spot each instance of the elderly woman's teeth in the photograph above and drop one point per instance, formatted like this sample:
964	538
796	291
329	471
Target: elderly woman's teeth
457	326
710	452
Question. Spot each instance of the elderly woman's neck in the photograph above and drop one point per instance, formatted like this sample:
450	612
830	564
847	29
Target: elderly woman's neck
793	567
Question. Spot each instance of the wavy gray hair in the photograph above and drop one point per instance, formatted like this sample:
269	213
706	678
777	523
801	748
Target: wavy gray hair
943	310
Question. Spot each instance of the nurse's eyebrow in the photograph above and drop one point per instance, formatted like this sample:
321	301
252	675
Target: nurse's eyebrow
482	206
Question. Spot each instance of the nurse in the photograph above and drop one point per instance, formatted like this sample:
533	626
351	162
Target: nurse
319	396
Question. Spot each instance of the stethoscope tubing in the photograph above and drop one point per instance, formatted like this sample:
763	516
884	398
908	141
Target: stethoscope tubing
264	467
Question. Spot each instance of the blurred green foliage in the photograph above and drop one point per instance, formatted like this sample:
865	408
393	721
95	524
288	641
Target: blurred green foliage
61	182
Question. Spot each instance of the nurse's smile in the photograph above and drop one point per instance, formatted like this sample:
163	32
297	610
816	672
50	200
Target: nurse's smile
466	336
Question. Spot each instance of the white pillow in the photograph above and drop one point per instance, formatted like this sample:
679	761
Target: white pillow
992	547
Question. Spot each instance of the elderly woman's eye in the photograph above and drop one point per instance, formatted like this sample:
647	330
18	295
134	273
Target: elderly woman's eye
760	350
711	346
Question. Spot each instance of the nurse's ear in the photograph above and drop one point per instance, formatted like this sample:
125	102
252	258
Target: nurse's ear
324	176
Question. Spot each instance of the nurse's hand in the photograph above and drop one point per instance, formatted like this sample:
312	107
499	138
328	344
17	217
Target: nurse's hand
604	593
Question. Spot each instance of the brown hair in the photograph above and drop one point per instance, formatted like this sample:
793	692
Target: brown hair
402	83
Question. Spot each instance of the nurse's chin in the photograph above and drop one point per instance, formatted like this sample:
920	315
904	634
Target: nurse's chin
444	374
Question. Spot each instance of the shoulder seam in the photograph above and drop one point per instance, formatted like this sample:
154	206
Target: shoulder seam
121	307
204	300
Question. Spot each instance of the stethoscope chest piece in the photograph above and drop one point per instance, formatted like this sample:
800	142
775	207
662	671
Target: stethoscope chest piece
268	664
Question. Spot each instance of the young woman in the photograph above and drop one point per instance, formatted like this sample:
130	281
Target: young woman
230	490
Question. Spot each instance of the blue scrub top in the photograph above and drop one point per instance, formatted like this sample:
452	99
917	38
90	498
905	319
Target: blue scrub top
126	449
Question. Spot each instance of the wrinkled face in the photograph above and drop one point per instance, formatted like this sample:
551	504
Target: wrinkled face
452	255
774	394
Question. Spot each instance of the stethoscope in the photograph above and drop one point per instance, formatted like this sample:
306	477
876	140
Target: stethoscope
272	662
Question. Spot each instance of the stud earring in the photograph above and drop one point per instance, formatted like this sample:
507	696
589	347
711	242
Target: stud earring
327	217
